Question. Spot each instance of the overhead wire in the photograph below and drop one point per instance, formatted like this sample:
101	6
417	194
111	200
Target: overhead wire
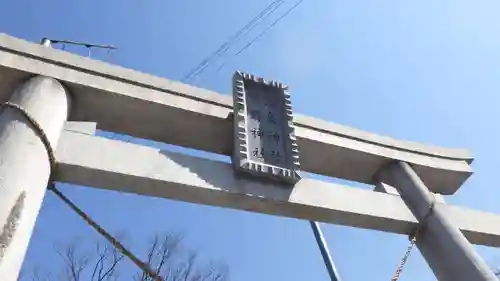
256	38
224	47
249	26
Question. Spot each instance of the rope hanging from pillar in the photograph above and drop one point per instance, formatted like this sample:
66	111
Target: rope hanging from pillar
413	240
51	186
144	267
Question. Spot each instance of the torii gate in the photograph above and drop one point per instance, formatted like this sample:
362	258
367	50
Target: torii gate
53	87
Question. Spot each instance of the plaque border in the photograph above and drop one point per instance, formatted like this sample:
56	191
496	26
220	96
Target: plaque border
241	159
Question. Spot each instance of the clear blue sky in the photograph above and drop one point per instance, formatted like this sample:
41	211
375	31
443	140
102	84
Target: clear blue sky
424	70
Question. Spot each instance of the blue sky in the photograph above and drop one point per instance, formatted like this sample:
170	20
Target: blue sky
420	70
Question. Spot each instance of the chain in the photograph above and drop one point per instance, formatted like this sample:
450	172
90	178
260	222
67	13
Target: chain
413	240
50	152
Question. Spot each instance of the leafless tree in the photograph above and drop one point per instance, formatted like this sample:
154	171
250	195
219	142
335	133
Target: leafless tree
174	264
103	262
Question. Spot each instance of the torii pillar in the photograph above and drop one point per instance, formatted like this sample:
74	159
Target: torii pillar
444	247
24	164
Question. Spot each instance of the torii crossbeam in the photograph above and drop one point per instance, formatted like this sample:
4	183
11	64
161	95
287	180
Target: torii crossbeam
91	93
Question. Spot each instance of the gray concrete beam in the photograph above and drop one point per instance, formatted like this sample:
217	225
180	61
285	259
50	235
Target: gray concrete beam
180	114
81	127
127	167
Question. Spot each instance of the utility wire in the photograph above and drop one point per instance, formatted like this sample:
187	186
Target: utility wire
269	27
224	47
269	10
255	39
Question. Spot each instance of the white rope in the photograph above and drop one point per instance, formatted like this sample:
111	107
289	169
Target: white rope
51	186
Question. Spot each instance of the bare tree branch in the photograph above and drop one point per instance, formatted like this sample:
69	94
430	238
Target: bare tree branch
169	246
161	252
142	276
190	265
165	256
75	263
117	257
37	276
98	262
108	259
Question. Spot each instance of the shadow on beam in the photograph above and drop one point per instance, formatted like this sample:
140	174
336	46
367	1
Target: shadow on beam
147	171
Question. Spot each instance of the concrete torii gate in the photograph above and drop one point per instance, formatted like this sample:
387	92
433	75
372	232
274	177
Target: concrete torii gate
53	86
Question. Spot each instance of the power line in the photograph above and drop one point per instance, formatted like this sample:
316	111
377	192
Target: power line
269	27
193	73
223	48
255	39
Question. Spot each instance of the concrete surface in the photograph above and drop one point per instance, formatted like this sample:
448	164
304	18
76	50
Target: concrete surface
446	250
385	188
25	166
255	154
80	127
127	167
198	118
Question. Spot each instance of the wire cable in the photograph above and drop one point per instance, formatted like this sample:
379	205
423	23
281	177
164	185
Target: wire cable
263	32
249	26
269	27
223	48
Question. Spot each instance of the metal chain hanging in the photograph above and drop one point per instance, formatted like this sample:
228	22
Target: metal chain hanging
51	186
413	240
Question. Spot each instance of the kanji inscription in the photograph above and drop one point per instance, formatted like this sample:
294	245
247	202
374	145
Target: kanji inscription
265	143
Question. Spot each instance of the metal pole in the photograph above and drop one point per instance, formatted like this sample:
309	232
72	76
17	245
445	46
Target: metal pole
48	43
327	258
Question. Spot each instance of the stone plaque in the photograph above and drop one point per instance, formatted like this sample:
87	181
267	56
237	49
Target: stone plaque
264	136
